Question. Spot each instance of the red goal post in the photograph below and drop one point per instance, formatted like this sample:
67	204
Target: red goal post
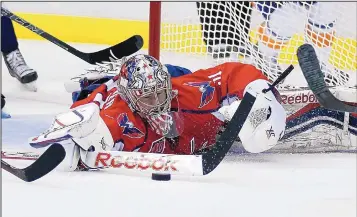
154	29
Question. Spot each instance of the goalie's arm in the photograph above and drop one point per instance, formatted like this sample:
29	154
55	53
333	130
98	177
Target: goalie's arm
99	95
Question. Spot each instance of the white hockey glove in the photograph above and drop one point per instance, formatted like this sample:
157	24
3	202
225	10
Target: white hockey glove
266	121
80	130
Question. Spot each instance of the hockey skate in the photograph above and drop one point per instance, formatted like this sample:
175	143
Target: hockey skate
18	68
4	115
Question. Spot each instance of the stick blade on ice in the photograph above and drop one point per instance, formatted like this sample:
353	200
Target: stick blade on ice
49	160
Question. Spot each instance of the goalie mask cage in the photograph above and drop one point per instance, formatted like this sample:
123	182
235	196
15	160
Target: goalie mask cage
254	32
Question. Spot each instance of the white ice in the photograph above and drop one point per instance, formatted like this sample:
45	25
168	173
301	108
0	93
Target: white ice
267	185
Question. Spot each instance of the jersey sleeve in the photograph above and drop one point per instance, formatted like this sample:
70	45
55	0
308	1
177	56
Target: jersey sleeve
206	90
236	76
177	71
230	79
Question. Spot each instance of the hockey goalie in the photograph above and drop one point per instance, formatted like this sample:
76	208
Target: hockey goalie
154	108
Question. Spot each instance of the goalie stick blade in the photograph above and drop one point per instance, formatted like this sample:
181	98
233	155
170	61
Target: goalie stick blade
49	160
310	67
124	48
212	158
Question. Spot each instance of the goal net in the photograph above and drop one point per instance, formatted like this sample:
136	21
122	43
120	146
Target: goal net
267	35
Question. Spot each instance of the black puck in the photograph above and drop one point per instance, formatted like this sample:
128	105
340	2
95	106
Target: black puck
161	177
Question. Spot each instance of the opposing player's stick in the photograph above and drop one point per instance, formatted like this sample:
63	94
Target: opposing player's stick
310	67
124	48
49	160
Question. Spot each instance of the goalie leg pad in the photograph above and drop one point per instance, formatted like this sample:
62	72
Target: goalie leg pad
266	122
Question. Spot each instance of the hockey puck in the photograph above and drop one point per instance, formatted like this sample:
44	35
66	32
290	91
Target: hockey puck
161	177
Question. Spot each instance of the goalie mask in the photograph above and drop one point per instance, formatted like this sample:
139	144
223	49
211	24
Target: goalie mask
145	84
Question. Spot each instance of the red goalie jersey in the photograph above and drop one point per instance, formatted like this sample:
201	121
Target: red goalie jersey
200	95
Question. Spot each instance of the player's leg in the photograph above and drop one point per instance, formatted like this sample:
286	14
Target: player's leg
320	31
13	58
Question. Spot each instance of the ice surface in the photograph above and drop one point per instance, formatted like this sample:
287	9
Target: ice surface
249	186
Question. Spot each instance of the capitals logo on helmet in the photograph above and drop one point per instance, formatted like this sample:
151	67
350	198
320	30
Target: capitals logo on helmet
206	89
128	127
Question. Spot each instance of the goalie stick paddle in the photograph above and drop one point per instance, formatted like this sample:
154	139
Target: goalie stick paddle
315	78
49	160
212	158
124	48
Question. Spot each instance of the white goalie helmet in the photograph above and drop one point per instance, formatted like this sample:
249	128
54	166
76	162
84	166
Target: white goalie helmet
145	84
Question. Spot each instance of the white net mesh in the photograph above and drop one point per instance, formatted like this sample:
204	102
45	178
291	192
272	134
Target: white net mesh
267	35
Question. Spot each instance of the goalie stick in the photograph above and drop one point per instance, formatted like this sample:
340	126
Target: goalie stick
49	160
124	48
180	164
310	67
171	163
128	161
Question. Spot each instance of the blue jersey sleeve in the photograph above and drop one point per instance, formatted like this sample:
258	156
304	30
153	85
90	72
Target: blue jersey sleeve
177	71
